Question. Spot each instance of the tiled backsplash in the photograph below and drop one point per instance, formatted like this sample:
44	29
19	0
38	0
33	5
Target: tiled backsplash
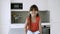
20	16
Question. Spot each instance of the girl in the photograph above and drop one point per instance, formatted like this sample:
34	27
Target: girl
33	21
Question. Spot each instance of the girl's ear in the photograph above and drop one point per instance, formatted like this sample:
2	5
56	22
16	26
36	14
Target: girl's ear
30	12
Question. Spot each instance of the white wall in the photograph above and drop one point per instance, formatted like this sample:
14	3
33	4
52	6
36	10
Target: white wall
53	6
0	18
5	16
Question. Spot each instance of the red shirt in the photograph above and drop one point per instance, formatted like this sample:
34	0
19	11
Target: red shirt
34	26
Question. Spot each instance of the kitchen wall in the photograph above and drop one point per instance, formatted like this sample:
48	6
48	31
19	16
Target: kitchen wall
53	6
42	4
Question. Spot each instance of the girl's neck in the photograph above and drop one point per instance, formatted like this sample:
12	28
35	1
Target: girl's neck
33	17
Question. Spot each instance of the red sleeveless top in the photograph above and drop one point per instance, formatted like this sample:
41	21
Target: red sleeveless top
34	26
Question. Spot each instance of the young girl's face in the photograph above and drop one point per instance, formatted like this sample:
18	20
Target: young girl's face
33	12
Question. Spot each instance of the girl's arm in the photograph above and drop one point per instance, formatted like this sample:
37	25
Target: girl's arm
26	26
40	27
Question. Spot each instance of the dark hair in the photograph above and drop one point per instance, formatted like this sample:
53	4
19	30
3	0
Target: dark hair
34	7
31	9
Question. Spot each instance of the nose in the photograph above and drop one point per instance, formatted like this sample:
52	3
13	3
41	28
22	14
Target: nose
33	12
